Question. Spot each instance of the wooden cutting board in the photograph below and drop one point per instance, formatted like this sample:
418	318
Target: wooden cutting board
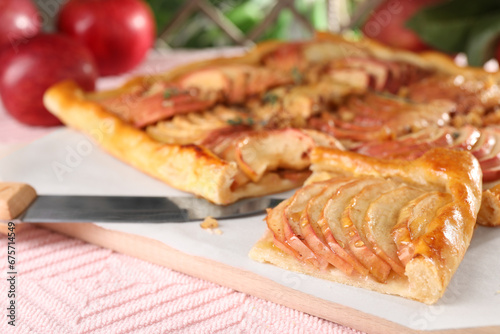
241	280
219	258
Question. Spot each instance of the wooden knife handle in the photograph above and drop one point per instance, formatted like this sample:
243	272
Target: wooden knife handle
14	199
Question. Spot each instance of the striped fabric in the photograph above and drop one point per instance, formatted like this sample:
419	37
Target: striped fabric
65	285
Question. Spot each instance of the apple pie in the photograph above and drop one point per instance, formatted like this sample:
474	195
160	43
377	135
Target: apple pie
230	128
395	226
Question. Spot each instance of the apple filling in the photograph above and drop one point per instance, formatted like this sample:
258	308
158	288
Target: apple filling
362	226
380	118
197	90
380	106
257	153
476	97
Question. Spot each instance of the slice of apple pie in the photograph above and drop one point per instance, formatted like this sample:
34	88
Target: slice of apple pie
393	226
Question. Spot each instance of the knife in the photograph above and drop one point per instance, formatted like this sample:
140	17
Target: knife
20	202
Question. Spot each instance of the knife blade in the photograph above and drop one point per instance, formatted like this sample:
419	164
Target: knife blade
119	209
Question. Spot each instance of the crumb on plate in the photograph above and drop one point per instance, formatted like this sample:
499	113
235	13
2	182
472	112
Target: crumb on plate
211	224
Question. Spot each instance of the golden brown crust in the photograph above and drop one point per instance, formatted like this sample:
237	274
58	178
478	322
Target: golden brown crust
439	251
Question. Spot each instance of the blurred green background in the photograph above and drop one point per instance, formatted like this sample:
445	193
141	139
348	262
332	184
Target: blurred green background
199	31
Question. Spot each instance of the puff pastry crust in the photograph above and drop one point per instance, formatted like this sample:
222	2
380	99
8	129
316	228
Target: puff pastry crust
431	251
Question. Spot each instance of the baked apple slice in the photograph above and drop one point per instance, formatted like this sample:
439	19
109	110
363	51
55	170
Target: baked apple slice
326	51
219	140
237	91
206	80
352	223
286	57
269	150
291	224
331	221
377	70
312	231
415	117
492	159
467	137
261	80
356	78
150	109
233	83
487	151
484	145
491	174
369	106
409	146
385	148
274	221
314	212
394	81
413	151
376	103
323	139
414	219
319	225
381	216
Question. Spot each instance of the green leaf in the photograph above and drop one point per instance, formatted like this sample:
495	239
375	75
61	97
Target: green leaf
484	37
447	26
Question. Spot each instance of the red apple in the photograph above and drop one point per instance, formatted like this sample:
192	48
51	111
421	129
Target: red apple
387	24
42	61
118	32
19	20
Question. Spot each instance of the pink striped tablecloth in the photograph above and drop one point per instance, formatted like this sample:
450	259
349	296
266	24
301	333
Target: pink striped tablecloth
65	285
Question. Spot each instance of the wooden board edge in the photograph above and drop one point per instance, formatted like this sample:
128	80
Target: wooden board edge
156	252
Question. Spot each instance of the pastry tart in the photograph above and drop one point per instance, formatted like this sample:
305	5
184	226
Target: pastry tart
229	128
394	226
